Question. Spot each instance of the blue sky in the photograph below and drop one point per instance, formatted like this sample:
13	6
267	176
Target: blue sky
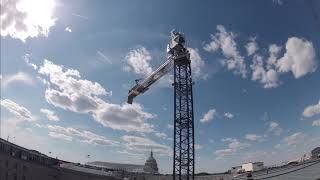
66	68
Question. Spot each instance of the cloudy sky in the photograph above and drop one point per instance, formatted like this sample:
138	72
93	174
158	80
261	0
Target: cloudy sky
67	66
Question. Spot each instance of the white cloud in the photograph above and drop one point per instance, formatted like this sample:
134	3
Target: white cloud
69	81
295	138
274	128
74	102
14	127
224	152
80	16
228	115
170	126
22	19
254	137
209	116
237	145
252	46
198	146
51	115
234	145
300	58
197	64
278	2
39	125
20	77
277	146
69	134
311	110
131	155
138	61
29	130
17	110
269	78
255	156
213	45
274	51
141	144
225	41
69	91
68	29
128	117
27	58
60	136
228	139
161	135
316	123
103	57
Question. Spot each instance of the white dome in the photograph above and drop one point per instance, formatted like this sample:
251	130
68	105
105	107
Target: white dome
151	165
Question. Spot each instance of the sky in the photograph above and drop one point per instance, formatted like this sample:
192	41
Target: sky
67	66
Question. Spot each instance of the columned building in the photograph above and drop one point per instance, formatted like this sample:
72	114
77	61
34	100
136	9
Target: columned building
151	165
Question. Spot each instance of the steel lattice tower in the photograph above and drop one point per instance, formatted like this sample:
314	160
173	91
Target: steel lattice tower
179	59
183	163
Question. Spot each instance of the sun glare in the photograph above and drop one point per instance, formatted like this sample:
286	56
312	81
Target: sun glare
27	18
39	14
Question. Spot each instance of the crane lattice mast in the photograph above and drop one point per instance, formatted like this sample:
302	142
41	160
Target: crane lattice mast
179	59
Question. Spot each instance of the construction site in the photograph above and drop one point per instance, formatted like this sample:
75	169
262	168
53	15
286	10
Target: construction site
20	163
160	90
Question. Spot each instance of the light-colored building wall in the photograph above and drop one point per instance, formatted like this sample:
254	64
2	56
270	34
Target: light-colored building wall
250	167
235	169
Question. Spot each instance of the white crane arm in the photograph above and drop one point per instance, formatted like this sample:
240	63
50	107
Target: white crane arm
176	51
145	84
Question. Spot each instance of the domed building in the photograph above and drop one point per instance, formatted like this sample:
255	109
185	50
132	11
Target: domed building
151	166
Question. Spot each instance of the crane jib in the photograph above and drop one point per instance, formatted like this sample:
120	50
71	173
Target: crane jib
154	77
151	79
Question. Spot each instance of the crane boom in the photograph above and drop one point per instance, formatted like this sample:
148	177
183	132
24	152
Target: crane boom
154	77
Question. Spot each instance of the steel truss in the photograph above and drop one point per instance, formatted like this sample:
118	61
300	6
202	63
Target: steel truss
183	164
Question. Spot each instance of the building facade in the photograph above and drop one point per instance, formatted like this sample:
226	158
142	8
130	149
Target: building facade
255	166
151	165
18	163
315	153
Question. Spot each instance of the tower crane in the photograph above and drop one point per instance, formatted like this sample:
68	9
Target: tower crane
178	59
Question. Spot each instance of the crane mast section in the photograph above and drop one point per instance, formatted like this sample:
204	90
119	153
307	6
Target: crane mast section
179	60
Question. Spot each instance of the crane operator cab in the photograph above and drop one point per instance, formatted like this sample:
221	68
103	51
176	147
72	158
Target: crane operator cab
176	47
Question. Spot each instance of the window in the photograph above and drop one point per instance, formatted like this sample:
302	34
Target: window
25	168
24	177
15	166
7	163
